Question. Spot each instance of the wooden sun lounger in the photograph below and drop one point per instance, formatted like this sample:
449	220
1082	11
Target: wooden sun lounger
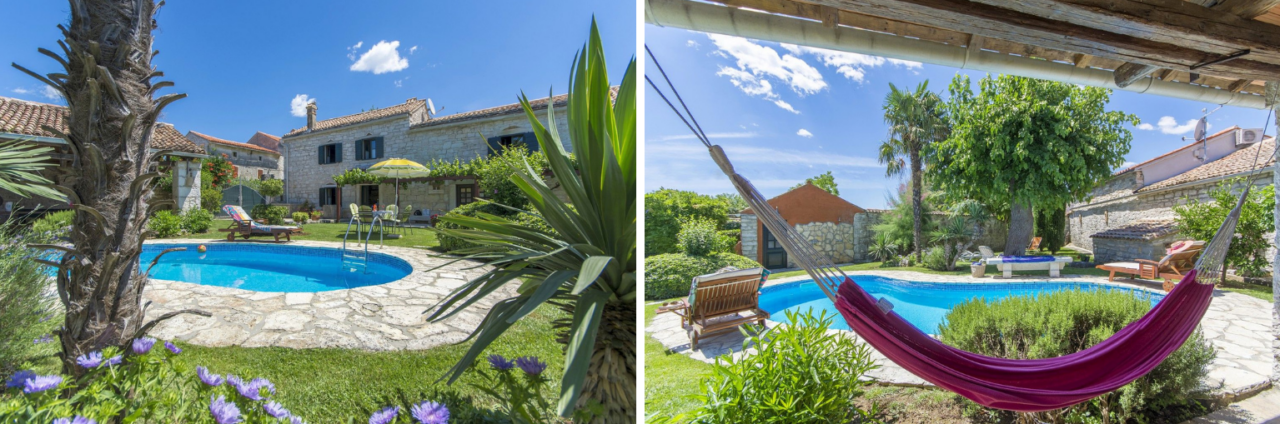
244	226
1170	268
719	303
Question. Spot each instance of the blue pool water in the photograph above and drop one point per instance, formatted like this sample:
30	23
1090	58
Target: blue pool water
270	268
924	305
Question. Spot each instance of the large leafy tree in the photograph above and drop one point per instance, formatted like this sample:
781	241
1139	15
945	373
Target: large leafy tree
916	120
107	82
587	266
1024	143
824	181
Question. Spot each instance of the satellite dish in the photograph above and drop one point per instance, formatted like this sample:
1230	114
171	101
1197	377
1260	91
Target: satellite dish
431	107
1199	134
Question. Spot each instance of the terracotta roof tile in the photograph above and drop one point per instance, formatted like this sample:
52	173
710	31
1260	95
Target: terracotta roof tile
265	140
217	140
1143	229
28	118
342	121
1239	161
513	108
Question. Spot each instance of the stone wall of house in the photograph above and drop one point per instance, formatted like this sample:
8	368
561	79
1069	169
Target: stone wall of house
248	162
1113	210
1126	250
186	184
750	237
457	141
863	235
834	240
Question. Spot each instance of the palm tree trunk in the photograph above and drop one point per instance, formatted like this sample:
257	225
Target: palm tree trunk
917	196
611	379
109	91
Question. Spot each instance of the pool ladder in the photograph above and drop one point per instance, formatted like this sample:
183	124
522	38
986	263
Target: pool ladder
358	260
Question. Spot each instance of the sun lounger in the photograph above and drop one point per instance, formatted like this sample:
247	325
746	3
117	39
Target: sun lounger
1170	269
245	227
1009	264
720	302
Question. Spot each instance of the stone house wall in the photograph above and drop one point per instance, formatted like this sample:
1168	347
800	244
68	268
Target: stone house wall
850	242
750	239
1126	250
834	240
248	161
863	235
186	184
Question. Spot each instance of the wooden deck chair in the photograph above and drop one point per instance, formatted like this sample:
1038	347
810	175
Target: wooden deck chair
1170	269
720	302
245	227
1035	243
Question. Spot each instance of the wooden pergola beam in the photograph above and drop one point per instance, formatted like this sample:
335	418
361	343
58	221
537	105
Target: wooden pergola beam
998	22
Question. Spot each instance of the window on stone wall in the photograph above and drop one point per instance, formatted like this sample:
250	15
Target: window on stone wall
330	153
328	196
498	144
369	149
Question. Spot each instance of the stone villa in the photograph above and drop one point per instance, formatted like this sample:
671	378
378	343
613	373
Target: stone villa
1131	215
24	121
252	159
410	130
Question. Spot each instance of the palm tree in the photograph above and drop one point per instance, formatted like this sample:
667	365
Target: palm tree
587	265
915	119
107	83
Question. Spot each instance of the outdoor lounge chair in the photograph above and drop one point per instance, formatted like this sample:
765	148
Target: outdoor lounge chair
1035	243
246	227
720	302
1170	269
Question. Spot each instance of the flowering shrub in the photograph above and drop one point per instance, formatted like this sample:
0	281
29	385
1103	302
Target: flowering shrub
523	394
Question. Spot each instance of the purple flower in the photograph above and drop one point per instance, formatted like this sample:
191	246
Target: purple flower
143	345
90	360
275	409
531	365
77	420
245	389
114	360
209	378
224	412
173	348
430	413
41	383
499	363
19	379
385	416
261	383
296	420
47	338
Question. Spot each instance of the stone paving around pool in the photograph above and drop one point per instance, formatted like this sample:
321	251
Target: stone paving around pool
1238	326
383	317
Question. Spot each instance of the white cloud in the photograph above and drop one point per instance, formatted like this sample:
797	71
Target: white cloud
765	61
413	49
1146	126
804	133
381	58
298	107
693	44
50	93
786	106
851	65
351	51
399	83
1168	125
21	90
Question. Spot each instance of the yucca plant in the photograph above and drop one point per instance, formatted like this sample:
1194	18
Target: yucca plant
20	165
587	265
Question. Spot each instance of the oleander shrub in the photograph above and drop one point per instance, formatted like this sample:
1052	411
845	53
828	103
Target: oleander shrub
669	275
197	220
301	217
1064	322
273	215
165	224
799	374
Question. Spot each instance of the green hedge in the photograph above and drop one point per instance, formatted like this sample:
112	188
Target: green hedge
669	275
1065	322
448	243
197	220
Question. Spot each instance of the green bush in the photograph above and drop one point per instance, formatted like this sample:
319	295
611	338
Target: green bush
55	224
271	188
1065	322
28	311
799	374
731	237
667	276
1247	254
197	221
936	259
165	224
1051	227
211	199
301	217
699	238
449	243
666	210
273	215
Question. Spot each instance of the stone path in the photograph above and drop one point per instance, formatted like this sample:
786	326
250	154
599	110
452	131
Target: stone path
1261	409
1238	326
382	317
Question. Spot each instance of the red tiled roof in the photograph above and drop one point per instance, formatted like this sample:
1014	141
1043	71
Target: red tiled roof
213	139
342	121
265	140
1143	229
1193	144
1239	161
537	104
27	118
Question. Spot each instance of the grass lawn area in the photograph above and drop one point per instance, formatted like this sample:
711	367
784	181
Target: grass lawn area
416	238
670	378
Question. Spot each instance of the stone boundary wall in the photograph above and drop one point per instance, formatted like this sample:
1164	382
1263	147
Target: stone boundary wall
835	240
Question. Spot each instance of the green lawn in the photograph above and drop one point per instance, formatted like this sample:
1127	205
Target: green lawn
417	237
670	378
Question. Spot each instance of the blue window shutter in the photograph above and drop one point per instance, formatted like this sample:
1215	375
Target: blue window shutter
531	141
337	148
382	149
495	143
320	156
320	199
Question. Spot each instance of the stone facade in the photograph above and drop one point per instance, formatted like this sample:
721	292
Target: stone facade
1108	249
403	136
750	239
250	161
834	240
186	184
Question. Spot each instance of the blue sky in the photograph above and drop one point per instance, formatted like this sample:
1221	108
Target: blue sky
785	113
243	63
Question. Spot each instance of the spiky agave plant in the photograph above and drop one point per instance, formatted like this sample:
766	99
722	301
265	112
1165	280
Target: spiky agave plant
586	266
107	83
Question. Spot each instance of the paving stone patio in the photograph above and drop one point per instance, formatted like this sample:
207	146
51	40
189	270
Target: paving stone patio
1238	326
382	317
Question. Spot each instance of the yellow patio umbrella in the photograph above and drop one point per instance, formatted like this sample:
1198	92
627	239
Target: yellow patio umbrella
399	168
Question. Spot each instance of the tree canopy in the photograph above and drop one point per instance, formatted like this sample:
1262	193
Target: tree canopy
824	181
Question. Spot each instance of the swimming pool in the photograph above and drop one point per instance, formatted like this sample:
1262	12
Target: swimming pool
269	268
924	305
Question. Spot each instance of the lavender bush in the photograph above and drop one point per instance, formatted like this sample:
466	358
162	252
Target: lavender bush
28	308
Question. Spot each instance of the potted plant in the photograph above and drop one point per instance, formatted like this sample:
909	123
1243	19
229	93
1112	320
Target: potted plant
978	269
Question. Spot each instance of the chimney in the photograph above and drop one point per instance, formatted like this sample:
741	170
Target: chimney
311	116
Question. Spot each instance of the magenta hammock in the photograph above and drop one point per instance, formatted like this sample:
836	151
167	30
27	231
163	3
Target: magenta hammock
1032	384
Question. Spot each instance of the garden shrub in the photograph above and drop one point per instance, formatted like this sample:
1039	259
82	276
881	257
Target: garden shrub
28	310
197	220
301	217
211	199
448	243
273	215
799	374
55	224
1065	322
666	210
1051	227
936	259
699	237
1248	252
270	188
165	224
669	275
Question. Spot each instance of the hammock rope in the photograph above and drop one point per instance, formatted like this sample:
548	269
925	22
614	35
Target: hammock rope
1022	385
